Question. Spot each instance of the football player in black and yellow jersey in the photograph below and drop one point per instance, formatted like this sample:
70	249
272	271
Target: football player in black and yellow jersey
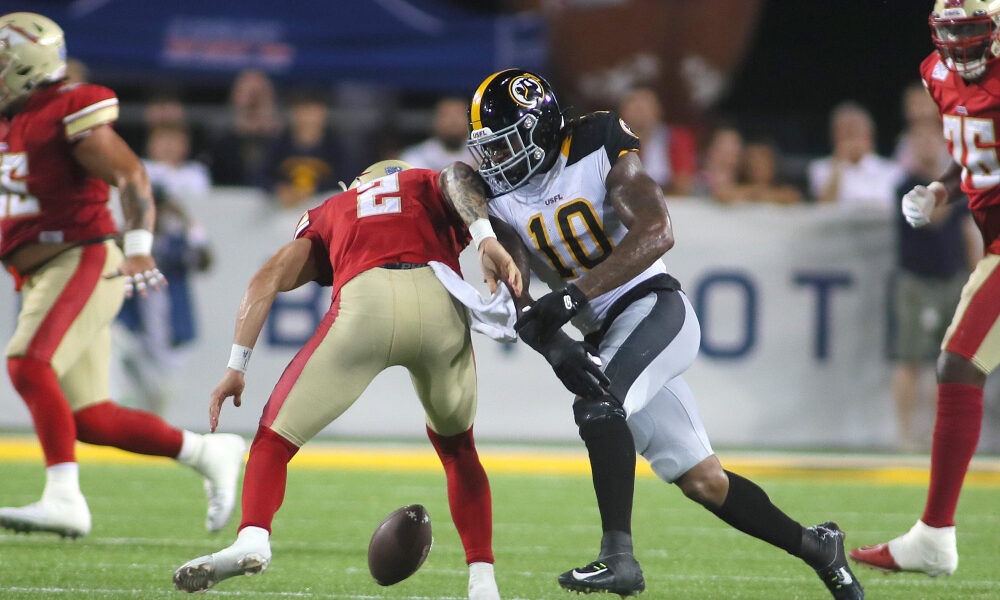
572	202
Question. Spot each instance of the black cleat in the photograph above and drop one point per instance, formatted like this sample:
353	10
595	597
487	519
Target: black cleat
617	573
828	558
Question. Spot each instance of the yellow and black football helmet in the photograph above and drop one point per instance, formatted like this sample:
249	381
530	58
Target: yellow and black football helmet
32	51
515	128
965	34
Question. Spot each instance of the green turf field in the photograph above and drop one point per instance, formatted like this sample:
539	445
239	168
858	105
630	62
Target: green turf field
148	519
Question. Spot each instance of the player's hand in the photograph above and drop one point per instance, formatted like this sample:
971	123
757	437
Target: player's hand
917	206
550	312
498	265
232	384
140	274
577	366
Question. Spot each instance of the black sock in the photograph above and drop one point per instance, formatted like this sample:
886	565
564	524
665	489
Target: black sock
615	542
612	465
748	509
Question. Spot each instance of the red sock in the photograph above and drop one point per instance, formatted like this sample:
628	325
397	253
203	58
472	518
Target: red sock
956	434
468	493
38	386
107	424
265	476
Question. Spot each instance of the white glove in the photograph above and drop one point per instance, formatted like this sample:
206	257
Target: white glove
918	204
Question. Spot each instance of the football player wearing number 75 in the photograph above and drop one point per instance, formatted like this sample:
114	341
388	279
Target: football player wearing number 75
572	200
389	246
59	155
963	78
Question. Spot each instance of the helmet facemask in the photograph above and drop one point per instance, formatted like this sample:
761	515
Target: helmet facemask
509	157
965	43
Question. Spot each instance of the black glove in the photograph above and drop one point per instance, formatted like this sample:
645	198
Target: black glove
577	365
573	362
550	312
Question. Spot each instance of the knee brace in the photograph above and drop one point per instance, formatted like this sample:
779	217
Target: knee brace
597	411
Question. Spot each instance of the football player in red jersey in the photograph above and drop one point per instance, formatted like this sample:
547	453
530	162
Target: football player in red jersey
963	78
58	155
373	244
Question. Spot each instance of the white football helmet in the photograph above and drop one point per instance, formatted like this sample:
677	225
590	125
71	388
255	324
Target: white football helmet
965	34
379	169
32	51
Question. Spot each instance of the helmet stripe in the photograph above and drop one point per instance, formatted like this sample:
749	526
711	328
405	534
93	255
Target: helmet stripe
477	100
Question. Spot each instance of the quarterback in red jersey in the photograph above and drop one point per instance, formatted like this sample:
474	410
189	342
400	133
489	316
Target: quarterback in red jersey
58	155
963	78
373	244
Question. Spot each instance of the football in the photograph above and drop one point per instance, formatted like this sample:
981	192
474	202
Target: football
400	544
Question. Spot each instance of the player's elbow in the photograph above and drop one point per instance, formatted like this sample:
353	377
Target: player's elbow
134	175
660	237
266	281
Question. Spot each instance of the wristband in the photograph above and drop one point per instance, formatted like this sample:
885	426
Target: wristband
480	230
138	242
239	357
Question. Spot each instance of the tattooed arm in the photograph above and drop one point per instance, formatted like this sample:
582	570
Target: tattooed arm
465	190
105	155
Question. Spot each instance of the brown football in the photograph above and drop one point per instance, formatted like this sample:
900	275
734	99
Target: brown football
400	544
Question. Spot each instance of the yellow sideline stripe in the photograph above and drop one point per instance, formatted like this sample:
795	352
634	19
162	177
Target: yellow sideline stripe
982	473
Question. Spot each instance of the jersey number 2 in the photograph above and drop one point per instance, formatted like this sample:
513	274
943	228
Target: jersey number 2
582	211
380	197
974	146
14	198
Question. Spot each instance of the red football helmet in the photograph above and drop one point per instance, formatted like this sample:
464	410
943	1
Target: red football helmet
965	33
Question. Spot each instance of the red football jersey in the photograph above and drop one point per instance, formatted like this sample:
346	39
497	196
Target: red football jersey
401	217
970	115
45	195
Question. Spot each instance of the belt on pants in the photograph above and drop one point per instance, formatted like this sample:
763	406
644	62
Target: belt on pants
402	265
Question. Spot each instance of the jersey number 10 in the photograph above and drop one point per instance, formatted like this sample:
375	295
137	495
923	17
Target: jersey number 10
578	210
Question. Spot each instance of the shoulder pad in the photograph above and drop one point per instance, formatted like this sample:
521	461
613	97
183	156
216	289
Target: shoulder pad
86	107
596	130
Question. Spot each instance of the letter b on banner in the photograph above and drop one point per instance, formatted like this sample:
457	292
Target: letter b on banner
295	315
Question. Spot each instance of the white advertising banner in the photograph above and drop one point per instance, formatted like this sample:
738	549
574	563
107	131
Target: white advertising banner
792	302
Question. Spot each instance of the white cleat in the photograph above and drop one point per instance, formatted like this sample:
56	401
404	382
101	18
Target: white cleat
220	463
67	516
482	582
930	550
248	555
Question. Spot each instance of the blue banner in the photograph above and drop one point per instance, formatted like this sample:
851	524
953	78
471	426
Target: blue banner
413	44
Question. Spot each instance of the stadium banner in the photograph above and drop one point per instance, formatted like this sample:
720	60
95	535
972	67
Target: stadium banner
423	45
792	303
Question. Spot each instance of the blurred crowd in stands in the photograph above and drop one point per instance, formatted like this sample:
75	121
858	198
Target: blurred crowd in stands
288	144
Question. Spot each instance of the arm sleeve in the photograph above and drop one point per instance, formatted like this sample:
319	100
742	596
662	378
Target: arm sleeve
306	229
87	107
455	222
618	138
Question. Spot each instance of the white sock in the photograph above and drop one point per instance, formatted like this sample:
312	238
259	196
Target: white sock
190	448
255	536
62	480
481	571
938	535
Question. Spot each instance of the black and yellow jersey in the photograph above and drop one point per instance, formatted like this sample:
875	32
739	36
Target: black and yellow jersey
563	217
